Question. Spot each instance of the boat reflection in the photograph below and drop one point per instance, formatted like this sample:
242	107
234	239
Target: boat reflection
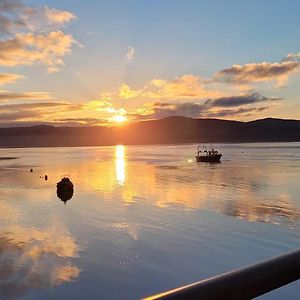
128	197
120	164
237	192
39	242
246	191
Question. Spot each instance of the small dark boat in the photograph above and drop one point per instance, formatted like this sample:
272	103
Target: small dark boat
205	155
65	189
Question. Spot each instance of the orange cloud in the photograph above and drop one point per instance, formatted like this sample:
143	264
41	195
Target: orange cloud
184	87
126	92
56	16
109	113
32	35
57	113
29	48
9	78
15	15
5	96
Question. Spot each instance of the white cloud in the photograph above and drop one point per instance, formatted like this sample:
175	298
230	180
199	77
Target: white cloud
130	53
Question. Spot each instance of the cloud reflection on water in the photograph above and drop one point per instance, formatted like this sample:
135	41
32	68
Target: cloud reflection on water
115	189
35	258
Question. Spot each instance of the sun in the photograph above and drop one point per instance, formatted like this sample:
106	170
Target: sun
119	119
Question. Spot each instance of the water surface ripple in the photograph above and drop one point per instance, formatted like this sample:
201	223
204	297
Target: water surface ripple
143	219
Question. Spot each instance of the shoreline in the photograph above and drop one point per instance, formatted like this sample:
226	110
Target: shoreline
150	144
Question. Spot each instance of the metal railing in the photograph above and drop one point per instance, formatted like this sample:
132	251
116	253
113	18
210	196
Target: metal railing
244	283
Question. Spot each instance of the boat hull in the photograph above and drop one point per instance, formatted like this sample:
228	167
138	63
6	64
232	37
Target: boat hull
209	158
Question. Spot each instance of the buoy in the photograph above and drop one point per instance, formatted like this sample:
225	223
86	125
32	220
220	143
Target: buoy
65	189
31	170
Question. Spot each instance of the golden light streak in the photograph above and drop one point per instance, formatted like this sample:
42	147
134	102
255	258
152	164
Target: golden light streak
120	164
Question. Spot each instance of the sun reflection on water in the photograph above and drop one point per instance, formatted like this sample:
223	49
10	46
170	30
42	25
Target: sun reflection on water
120	164
44	245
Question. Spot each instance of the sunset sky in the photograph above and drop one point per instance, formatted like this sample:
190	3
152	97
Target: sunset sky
77	62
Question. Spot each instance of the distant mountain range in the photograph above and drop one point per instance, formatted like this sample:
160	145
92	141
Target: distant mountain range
164	131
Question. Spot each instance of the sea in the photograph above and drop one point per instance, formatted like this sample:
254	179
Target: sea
143	219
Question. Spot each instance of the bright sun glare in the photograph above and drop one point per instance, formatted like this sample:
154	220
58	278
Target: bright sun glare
119	119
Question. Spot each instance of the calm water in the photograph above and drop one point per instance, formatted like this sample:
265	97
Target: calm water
143	219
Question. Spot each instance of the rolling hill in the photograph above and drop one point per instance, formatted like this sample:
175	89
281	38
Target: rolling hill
163	131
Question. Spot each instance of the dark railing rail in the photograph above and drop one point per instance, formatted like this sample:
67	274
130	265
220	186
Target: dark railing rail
244	283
